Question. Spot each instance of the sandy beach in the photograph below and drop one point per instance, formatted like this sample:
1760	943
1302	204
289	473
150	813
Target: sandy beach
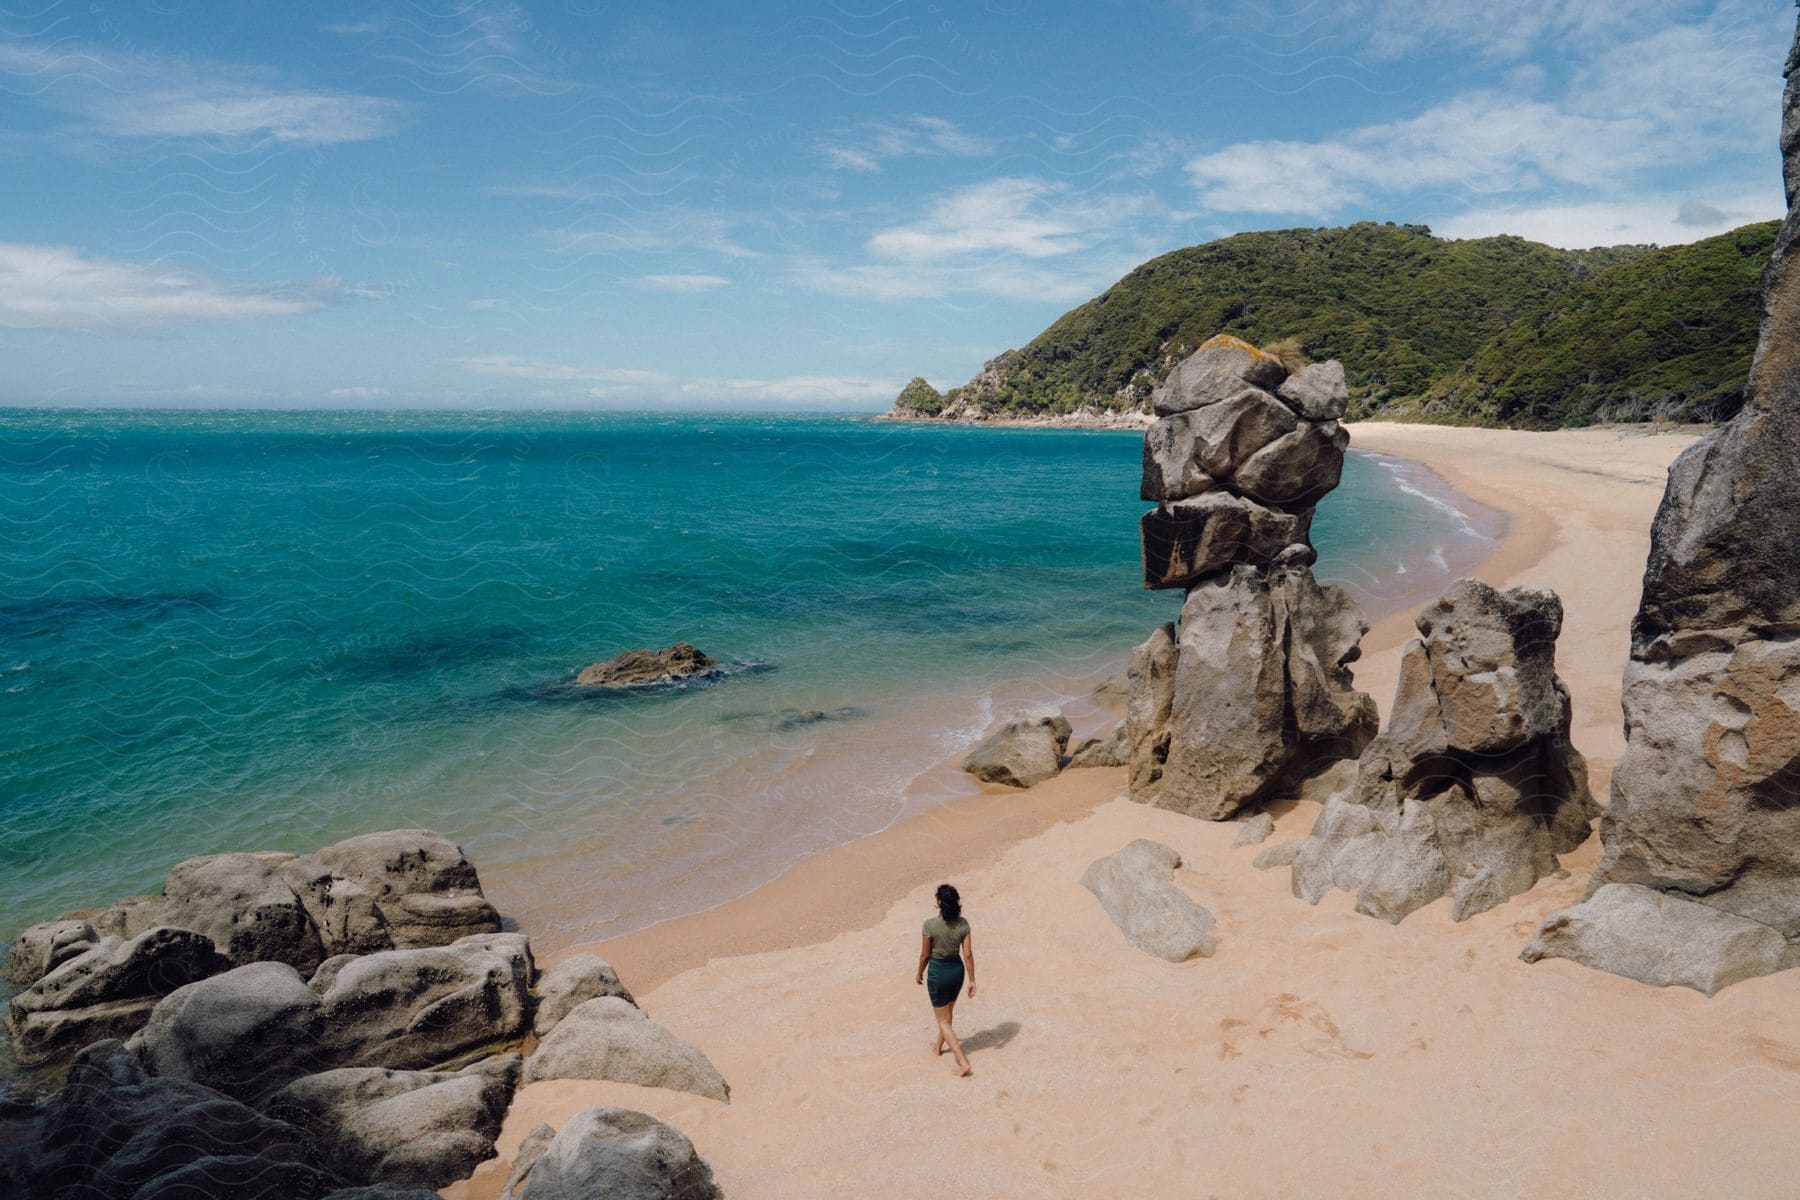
1319	1052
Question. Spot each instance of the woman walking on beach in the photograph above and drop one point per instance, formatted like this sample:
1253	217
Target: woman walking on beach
945	947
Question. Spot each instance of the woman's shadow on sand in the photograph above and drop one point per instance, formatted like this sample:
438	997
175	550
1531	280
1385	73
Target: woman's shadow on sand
994	1037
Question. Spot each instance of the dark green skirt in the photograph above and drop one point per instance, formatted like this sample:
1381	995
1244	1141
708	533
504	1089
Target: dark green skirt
943	979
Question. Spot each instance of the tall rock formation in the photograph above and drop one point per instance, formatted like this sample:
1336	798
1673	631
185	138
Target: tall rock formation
1474	788
1253	689
1706	799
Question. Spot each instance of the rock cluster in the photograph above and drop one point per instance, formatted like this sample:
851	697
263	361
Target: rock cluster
385	1067
99	973
642	668
1473	789
1252	690
1706	798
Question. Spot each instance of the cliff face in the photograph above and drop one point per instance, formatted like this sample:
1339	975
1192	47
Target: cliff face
1488	331
1706	799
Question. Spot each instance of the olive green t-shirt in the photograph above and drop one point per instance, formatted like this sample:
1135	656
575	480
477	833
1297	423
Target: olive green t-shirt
946	936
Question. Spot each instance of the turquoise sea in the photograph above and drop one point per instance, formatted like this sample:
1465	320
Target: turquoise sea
226	631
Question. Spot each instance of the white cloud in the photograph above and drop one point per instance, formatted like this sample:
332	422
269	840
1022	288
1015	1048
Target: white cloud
1662	220
358	393
668	229
1001	216
125	96
1678	98
506	366
873	144
684	283
58	287
631	385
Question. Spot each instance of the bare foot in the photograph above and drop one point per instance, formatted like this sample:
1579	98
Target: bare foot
966	1071
938	1047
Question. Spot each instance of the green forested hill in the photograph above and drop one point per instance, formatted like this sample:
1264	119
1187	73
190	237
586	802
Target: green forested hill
1491	330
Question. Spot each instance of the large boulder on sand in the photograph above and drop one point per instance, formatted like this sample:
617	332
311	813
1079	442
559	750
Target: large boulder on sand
573	981
1262	690
1703	799
425	1128
1023	752
642	668
106	991
609	1038
1662	940
616	1153
1137	889
420	884
1221	368
1474	788
1150	698
114	1132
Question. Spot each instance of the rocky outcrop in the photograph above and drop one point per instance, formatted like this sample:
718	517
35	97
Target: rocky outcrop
609	1038
1474	788
612	1152
244	1033
1113	750
1137	889
571	982
1703	799
1023	752
1662	939
99	974
106	990
1253	689
115	1132
645	668
423	1128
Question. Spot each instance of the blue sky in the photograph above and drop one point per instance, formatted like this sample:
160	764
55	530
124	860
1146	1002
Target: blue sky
589	203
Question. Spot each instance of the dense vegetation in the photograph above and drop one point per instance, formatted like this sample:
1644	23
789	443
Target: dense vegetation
1491	330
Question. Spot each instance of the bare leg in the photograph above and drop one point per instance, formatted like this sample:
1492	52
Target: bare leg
948	1035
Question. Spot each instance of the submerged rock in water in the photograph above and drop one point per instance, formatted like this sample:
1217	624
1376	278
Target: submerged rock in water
641	668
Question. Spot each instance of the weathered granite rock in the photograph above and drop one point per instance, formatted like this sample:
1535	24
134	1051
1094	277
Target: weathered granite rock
1703	799
426	890
1023	752
1281	854
116	1133
123	918
1113	750
619	1154
530	1150
1254	831
1219	369
245	907
1185	541
641	668
1262	689
343	913
1112	693
609	1038
1662	939
106	991
1317	391
1136	887
419	1007
1295	470
424	1128
1474	789
575	980
1151	682
44	946
244	1033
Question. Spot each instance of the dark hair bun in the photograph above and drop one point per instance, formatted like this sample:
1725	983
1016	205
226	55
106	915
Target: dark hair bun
948	902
